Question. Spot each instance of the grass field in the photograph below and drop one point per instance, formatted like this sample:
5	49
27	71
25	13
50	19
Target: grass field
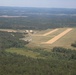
57	37
45	36
46	33
23	51
65	41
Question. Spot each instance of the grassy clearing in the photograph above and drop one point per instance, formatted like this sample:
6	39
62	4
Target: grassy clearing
43	31
40	39
37	40
22	51
50	32
47	33
58	36
50	36
64	41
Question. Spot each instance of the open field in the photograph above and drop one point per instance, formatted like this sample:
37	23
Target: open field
47	33
50	32
8	30
39	39
23	52
58	36
63	37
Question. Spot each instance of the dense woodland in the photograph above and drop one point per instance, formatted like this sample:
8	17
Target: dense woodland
38	22
37	18
8	40
58	61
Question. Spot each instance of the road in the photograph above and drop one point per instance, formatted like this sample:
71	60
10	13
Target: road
58	36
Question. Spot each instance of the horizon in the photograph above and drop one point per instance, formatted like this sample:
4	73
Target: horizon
37	7
39	3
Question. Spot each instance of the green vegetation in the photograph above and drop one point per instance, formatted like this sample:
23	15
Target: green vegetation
73	44
23	51
22	60
38	22
65	41
59	61
56	52
8	40
17	57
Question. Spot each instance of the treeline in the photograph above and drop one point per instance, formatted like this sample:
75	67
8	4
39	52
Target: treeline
8	40
58	62
37	18
56	52
73	44
38	22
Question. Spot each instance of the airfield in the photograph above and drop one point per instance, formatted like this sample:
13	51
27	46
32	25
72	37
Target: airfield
49	38
59	37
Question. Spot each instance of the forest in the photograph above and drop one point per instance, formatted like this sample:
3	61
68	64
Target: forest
56	61
37	18
8	40
38	22
59	61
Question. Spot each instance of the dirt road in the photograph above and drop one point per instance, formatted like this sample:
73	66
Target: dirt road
46	33
50	32
8	30
58	36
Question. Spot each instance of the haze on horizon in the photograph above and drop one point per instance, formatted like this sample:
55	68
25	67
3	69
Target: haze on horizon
40	3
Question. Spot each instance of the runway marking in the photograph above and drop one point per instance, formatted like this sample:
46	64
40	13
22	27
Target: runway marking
50	32
47	33
58	36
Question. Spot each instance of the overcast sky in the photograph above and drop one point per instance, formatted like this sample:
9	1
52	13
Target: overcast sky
40	3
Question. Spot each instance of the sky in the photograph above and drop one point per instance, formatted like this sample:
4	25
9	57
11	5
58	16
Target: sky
40	3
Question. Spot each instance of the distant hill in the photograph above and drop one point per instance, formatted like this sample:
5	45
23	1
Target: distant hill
30	10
